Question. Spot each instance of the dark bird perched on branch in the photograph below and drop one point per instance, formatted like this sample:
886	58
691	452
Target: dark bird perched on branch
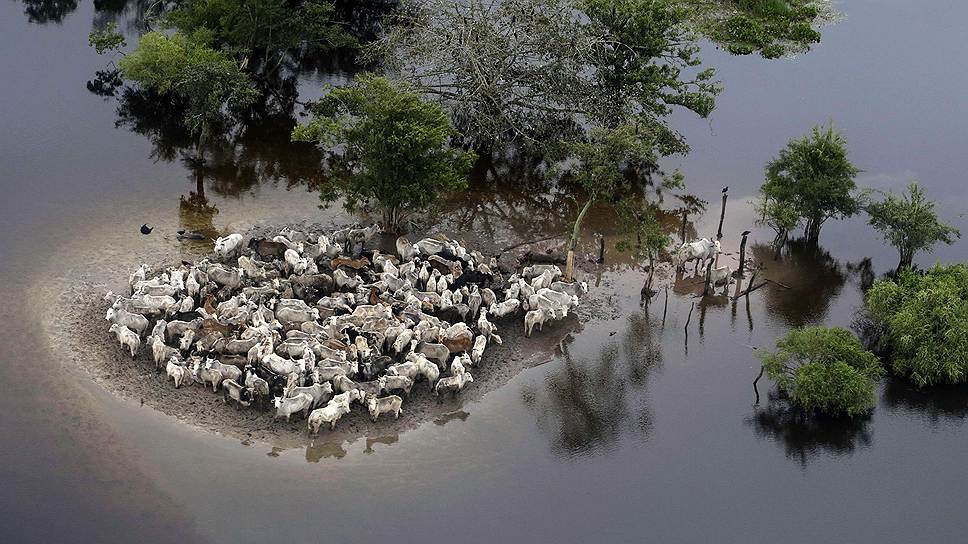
145	229
725	189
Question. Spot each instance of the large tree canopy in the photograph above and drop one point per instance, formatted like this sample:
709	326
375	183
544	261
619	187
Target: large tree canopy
814	177
527	70
205	81
269	29
388	146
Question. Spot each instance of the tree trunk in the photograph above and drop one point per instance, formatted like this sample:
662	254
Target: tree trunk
570	263
812	231
682	229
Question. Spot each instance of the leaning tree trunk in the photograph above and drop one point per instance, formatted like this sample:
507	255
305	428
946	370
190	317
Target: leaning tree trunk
570	261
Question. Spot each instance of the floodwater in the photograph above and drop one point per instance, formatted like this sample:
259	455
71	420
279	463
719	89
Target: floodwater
637	431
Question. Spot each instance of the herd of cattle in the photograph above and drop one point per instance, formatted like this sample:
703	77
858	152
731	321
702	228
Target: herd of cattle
316	323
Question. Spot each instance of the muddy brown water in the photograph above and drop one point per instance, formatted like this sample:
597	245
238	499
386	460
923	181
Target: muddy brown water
635	431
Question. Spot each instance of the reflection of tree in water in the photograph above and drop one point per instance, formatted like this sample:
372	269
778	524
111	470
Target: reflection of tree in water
814	278
588	406
48	11
805	436
934	404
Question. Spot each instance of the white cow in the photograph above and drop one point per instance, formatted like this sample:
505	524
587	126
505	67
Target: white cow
699	250
228	246
127	338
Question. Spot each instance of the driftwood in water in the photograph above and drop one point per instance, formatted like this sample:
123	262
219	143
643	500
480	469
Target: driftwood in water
742	255
755	390
689	317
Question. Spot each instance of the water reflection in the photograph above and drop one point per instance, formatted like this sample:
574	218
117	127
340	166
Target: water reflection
935	404
43	12
804	437
805	279
316	452
387	440
589	405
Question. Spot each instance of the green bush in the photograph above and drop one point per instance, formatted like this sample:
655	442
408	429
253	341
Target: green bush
926	319
824	370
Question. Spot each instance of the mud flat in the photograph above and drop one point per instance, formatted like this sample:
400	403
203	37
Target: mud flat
77	334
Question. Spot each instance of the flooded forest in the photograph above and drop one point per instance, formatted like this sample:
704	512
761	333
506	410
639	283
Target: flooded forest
758	206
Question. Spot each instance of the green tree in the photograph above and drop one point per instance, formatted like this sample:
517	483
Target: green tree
530	71
205	81
824	370
106	39
387	145
910	223
644	237
778	215
607	167
773	28
926	319
814	177
268	29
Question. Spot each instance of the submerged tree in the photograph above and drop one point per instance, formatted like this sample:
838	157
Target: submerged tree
526	71
824	370
772	28
926	322
269	30
813	177
608	167
779	215
205	82
910	223
645	238
387	145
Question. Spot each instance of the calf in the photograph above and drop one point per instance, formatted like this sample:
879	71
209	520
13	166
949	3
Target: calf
178	372
391	383
384	405
329	414
136	322
453	384
285	407
161	352
241	395
127	338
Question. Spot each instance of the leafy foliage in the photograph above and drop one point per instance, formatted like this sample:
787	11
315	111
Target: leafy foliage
773	28
824	370
387	145
206	81
910	223
814	178
268	28
609	165
779	215
644	237
926	319
106	39
531	70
